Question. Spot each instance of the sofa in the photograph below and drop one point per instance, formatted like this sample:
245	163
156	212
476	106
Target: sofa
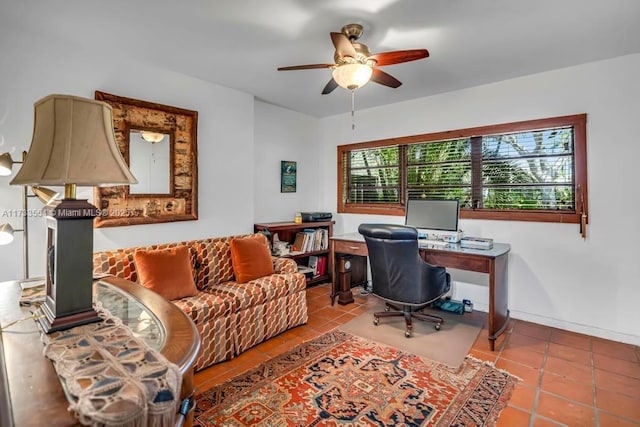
230	317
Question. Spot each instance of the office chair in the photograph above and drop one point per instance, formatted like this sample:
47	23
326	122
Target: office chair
400	277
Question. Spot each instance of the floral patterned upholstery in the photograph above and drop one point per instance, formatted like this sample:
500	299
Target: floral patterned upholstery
231	317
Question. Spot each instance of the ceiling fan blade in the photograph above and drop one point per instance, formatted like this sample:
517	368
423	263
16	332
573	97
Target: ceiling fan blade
343	45
385	79
306	67
330	87
399	56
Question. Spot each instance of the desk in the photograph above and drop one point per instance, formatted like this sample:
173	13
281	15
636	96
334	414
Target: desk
30	392
492	262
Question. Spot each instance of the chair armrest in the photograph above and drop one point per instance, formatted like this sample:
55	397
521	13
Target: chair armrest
438	278
284	265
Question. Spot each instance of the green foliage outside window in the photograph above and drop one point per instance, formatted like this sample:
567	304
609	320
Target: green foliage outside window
440	170
374	176
530	170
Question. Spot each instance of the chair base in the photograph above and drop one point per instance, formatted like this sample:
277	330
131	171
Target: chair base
408	315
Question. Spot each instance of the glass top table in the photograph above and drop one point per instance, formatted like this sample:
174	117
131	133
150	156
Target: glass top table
142	322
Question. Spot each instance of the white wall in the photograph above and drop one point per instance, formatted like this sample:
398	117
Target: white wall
282	134
33	67
555	277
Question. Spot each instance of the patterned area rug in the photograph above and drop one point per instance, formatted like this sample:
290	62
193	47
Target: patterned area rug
340	379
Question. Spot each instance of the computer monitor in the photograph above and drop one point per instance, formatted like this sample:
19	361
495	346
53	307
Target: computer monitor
432	214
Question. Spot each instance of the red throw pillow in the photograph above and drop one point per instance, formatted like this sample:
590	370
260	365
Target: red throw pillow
166	272
250	258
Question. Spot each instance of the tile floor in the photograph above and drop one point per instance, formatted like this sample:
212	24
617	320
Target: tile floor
568	379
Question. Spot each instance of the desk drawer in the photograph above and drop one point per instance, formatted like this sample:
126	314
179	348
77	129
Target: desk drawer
462	262
348	247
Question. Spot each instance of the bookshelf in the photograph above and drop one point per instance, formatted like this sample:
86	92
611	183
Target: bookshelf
289	231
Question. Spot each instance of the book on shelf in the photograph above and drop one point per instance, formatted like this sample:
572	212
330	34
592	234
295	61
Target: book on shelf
322	265
298	243
317	239
322	242
309	241
313	264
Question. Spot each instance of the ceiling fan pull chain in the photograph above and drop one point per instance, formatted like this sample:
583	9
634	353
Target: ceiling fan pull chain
353	109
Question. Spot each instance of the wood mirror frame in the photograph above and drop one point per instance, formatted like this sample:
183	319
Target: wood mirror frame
117	207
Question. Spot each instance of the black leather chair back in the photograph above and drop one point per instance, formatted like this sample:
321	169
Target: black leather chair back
398	273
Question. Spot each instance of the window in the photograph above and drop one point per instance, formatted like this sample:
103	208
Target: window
374	175
529	171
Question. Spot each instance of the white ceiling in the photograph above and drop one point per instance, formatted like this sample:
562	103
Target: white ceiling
239	44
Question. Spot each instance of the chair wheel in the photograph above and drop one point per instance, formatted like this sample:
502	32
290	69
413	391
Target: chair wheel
437	326
376	321
387	308
407	334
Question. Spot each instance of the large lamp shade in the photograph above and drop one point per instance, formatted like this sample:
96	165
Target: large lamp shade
73	143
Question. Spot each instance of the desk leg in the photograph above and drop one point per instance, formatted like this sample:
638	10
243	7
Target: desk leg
498	299
334	276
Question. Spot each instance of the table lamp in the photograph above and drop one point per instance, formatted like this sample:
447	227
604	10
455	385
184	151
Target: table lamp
73	145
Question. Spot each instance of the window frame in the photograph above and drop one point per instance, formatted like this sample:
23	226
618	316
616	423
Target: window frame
581	200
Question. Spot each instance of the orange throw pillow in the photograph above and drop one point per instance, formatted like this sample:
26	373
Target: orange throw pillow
250	258
166	272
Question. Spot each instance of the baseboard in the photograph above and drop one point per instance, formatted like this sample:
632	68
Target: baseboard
575	327
478	294
569	326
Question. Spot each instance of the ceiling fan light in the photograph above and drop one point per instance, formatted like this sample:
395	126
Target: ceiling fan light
352	76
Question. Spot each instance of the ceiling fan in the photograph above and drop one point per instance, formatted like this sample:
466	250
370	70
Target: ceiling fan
354	63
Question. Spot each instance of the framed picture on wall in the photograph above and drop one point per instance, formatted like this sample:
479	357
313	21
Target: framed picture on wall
288	172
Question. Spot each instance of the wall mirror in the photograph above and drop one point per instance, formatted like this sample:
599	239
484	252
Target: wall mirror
159	144
150	161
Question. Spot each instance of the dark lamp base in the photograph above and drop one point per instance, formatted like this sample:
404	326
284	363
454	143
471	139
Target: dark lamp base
69	276
50	323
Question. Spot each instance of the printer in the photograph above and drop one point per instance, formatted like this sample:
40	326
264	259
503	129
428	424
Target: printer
316	216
